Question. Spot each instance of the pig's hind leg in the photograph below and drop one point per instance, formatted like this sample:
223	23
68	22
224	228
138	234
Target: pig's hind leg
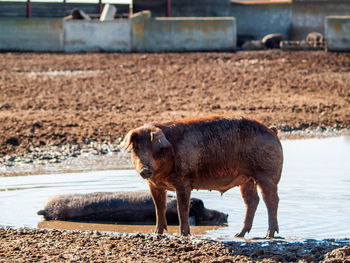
159	199
269	193
251	200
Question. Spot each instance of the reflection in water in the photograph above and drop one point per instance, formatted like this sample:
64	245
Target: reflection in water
314	194
63	225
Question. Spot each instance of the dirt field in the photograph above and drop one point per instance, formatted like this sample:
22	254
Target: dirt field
59	99
65	100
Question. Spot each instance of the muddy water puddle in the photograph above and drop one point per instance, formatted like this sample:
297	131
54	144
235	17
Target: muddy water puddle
314	195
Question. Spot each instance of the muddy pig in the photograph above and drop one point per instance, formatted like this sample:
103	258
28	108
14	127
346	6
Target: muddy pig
214	153
272	40
123	207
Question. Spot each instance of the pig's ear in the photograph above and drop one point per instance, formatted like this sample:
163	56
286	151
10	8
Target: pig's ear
159	140
128	139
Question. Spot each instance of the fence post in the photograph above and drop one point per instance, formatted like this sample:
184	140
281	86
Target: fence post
100	6
168	8
29	9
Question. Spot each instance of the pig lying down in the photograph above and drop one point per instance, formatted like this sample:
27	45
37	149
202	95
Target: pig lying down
214	153
123	208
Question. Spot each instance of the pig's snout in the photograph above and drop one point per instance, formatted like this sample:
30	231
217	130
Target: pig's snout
219	218
213	218
145	172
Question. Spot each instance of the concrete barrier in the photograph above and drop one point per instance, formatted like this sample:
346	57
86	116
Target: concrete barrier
337	29
309	15
191	34
95	36
139	22
140	33
37	34
180	34
256	20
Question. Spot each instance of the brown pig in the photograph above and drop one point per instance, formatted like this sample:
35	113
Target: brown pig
214	153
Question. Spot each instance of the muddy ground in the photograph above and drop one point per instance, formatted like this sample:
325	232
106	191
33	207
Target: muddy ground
74	103
64	99
28	245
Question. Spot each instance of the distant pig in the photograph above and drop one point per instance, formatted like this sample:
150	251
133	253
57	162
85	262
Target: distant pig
214	153
272	40
123	207
315	39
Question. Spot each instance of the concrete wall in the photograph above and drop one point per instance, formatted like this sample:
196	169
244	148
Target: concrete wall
140	33
42	9
309	15
257	20
183	34
184	8
10	9
95	36
20	34
337	33
294	21
253	20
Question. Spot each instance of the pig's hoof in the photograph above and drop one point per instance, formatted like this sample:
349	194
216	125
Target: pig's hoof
241	234
160	230
185	233
270	234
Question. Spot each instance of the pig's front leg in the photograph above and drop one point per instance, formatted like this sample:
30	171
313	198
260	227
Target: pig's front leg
159	199
183	194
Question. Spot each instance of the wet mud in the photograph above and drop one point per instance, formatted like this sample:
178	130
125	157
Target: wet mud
80	246
196	231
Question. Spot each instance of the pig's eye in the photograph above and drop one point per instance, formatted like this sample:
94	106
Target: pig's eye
164	150
161	152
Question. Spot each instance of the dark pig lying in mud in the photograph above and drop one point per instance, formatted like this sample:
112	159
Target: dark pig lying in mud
214	153
123	207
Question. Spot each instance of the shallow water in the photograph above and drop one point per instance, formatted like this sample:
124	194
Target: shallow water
314	193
